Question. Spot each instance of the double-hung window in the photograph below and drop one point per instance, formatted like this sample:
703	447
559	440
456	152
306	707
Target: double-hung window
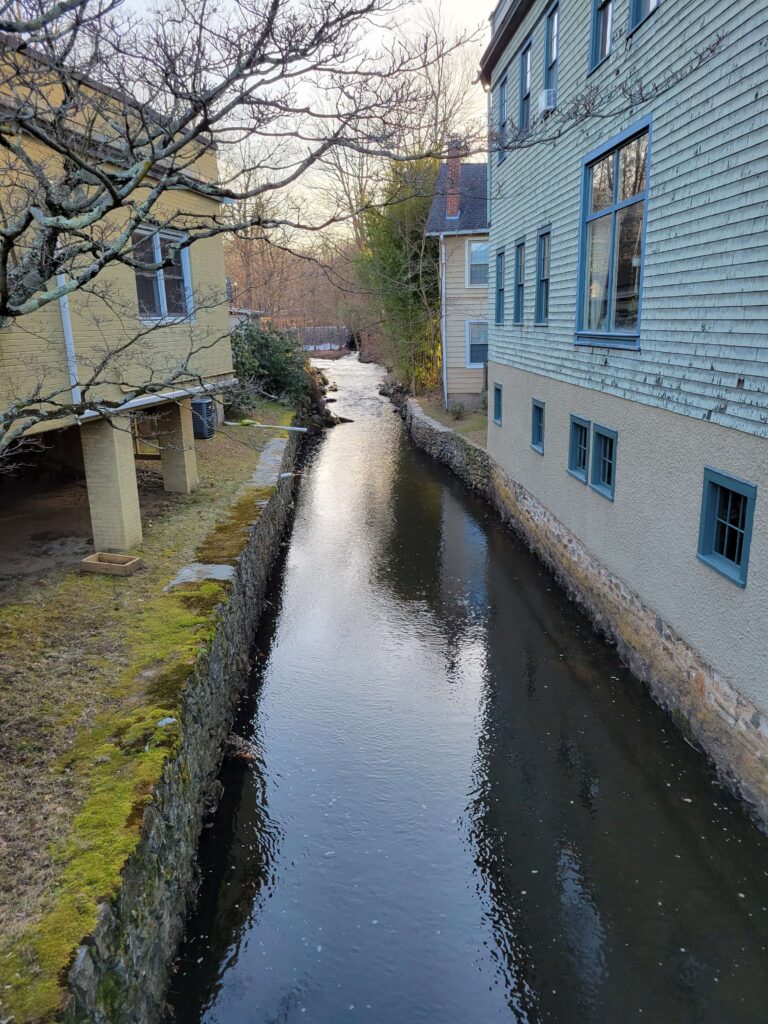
551	48
613	218
537	426
725	531
602	27
502	118
524	118
604	444
164	293
519	280
477	264
543	250
500	287
639	11
578	449
477	343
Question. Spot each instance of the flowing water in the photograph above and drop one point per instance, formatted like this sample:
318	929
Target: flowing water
462	809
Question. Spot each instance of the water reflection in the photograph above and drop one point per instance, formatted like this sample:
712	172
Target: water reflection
460	808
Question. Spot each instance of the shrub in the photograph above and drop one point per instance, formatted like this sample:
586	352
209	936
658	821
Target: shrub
268	363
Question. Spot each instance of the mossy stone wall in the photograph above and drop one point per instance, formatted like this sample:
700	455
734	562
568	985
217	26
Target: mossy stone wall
121	971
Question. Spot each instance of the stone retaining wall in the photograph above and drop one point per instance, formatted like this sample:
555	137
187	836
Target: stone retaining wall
730	729
122	973
470	463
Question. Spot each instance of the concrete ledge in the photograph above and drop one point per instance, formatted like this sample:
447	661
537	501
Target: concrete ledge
121	972
730	729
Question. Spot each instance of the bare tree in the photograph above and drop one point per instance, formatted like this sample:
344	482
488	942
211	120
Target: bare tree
108	118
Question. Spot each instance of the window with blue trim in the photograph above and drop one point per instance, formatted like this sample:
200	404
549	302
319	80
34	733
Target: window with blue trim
497	404
502	118
725	531
602	29
613	225
524	120
552	48
519	280
578	448
543	249
604	444
537	426
639	11
500	271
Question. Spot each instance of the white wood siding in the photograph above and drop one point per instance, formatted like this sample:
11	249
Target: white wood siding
704	335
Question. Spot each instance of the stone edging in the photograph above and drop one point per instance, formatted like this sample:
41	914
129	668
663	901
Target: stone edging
121	975
730	729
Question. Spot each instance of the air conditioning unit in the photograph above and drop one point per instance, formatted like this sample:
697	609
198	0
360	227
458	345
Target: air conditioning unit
547	101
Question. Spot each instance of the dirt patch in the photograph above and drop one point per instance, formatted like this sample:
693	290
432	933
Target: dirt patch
45	526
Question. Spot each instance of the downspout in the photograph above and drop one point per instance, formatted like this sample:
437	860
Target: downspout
69	344
443	339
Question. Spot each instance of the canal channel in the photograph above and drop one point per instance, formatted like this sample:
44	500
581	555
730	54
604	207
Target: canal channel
458	806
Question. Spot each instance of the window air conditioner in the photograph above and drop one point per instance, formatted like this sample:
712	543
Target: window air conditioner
547	100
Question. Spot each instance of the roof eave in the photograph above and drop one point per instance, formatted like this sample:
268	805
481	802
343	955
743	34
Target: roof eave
502	37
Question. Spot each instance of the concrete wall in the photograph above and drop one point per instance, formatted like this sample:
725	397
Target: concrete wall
462	303
648	536
705	297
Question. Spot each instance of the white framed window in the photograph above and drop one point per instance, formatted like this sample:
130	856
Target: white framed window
164	294
477	344
477	264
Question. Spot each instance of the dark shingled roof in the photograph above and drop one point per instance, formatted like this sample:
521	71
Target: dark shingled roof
473	202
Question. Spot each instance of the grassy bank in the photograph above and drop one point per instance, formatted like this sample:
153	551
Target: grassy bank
91	672
472	425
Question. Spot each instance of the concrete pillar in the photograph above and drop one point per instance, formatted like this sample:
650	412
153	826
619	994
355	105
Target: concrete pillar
110	474
177	447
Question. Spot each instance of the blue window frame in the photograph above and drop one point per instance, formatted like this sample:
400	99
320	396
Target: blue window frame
639	10
604	444
537	426
551	47
524	118
519	280
543	253
602	30
578	449
612	246
500	271
502	118
725	530
497	404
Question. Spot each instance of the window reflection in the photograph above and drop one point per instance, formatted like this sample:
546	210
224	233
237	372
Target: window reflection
602	183
618	184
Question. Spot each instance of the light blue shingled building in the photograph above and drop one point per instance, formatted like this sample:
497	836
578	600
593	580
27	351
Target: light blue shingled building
628	348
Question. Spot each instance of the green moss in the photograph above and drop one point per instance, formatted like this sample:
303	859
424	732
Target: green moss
227	539
148	644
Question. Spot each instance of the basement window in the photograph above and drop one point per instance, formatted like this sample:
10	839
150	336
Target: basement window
604	442
166	293
497	404
578	449
725	530
537	426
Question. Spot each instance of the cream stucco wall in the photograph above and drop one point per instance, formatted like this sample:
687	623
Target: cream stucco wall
648	535
462	303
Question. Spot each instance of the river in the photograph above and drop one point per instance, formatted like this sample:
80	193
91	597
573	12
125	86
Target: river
462	808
